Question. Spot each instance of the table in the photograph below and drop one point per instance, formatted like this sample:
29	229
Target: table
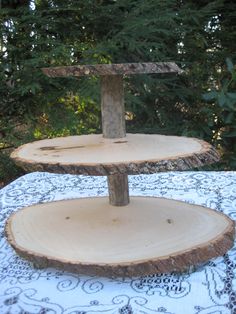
211	288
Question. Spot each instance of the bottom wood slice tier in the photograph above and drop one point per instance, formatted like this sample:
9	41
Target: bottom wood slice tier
149	235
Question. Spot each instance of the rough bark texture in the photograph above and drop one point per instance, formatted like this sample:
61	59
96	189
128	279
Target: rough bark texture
113	126
118	189
206	155
183	261
112	69
113	110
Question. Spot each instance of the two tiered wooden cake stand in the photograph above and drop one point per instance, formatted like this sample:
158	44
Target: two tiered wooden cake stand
119	236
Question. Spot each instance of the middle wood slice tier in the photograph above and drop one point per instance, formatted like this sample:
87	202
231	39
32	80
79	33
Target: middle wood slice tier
133	154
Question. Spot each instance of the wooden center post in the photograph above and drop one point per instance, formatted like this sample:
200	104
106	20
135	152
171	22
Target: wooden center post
112	105
113	126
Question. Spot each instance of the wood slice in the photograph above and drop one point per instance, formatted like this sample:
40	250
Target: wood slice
112	69
150	235
133	154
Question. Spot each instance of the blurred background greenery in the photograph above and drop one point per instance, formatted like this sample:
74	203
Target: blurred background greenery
198	35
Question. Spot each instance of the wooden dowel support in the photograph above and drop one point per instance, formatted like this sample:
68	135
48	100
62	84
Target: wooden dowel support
118	189
112	105
113	126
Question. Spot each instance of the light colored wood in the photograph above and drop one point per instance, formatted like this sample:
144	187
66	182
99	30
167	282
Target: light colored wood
112	105
112	69
95	155
149	235
118	189
113	126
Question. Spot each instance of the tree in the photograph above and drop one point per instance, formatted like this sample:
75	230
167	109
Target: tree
198	35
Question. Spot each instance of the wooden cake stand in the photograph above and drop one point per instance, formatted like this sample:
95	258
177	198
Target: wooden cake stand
120	237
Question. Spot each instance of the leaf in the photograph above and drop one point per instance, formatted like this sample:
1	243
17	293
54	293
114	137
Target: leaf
229	118
229	134
230	65
234	76
222	99
232	95
230	104
210	96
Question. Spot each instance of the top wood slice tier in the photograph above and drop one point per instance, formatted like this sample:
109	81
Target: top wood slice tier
133	154
112	69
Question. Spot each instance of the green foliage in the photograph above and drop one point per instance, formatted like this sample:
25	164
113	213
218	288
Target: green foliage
198	35
8	170
223	102
70	116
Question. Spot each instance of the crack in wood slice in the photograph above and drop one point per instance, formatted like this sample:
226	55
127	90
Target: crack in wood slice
207	154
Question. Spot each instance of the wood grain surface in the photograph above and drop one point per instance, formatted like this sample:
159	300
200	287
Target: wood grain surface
95	155
149	235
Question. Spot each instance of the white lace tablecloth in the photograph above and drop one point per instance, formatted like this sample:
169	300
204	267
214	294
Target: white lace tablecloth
210	289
